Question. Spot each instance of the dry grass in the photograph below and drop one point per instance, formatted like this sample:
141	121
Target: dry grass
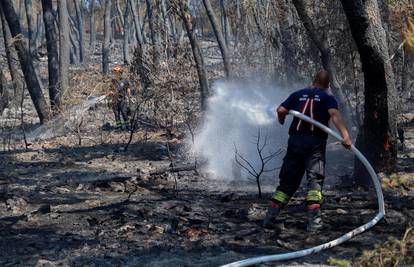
393	253
398	181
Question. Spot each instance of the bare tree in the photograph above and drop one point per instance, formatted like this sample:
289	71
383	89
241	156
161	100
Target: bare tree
187	19
153	31
264	160
29	17
126	33
12	58
92	25
79	25
219	36
64	50
52	51
137	22
225	22
377	136
26	62
107	36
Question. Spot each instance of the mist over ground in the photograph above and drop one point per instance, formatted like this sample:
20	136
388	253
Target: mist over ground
236	111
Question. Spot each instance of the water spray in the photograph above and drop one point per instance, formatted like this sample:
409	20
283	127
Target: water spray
341	239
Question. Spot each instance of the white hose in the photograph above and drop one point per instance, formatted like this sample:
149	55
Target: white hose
339	240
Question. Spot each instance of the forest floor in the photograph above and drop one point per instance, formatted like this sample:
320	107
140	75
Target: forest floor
75	198
65	204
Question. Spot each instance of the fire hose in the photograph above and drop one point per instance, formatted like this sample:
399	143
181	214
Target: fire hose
341	239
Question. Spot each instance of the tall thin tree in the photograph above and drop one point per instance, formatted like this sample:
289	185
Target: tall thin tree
26	62
184	13
64	50
219	36
107	37
12	62
52	51
79	26
92	25
29	17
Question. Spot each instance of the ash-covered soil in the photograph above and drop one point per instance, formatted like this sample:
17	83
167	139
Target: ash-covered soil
94	205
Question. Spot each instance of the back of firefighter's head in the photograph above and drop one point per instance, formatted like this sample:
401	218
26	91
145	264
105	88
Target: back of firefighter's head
321	79
118	70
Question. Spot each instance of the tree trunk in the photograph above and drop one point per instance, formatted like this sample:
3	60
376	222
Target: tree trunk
154	33
107	37
52	52
219	36
137	22
29	18
198	57
26	62
73	55
126	34
377	136
92	27
225	22
325	56
12	59
118	11
4	96
64	50
79	25
39	30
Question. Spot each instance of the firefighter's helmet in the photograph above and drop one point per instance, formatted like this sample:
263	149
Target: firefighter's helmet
118	69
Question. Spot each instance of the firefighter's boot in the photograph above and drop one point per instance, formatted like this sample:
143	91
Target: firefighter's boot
314	218
271	215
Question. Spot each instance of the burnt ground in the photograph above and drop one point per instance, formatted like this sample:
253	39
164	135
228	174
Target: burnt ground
91	205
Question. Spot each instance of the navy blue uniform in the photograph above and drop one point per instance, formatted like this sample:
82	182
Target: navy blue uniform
306	146
322	102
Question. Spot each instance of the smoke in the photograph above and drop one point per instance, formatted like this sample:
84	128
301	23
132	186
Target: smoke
236	112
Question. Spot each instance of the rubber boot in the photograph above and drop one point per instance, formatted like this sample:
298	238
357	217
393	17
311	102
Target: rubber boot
271	215
314	218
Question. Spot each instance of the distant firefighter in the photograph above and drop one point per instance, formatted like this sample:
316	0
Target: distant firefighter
119	94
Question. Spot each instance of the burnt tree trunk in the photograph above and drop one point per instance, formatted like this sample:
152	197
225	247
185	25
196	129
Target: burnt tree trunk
325	53
126	34
52	52
12	59
107	37
198	57
92	26
26	62
219	36
79	26
137	22
64	50
225	22
29	18
377	136
153	31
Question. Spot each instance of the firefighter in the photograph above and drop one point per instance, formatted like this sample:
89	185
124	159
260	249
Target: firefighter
120	95
306	149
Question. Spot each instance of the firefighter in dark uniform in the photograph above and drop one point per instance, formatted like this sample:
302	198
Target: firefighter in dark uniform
120	96
306	149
